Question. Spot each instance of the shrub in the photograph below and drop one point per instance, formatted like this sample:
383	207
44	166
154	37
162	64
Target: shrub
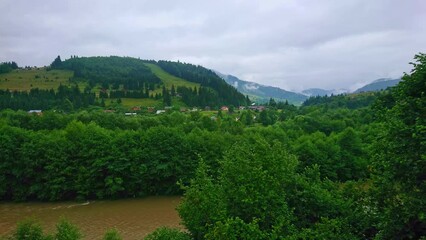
67	231
165	233
29	229
112	234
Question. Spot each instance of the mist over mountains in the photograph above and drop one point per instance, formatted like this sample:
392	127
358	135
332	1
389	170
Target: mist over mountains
262	93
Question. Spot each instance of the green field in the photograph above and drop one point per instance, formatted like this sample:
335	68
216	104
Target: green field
169	79
26	79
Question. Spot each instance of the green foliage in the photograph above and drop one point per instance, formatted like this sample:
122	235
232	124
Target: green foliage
29	229
7	67
325	229
400	160
112	71
351	101
57	63
234	229
112	234
165	233
67	231
65	98
203	203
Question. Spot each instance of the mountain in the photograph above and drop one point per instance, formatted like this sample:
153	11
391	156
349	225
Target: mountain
379	84
376	85
313	92
262	93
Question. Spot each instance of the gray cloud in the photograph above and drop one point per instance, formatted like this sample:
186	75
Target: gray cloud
293	44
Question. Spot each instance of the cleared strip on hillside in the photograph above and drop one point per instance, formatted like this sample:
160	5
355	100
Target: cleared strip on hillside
169	79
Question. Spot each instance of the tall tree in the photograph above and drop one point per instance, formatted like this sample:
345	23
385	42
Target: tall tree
57	63
400	162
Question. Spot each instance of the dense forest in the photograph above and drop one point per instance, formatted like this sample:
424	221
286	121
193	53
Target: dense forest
130	73
224	93
338	167
65	99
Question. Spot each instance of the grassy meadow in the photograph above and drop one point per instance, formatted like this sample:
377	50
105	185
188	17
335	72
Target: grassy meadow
26	79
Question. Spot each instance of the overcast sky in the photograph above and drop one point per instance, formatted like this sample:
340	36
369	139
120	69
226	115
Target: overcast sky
293	44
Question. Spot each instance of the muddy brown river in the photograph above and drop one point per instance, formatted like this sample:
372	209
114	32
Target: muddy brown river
133	218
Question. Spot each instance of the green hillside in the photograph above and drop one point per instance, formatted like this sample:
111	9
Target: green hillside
26	79
118	82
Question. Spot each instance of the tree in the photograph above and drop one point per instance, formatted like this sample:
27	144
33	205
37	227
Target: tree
57	63
272	102
173	91
400	158
167	99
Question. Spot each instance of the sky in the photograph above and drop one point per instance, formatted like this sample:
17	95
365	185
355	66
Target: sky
292	44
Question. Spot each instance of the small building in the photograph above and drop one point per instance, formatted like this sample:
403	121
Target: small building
224	108
257	108
36	112
160	111
136	108
151	109
241	108
130	114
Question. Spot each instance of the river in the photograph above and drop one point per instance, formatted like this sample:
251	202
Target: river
133	218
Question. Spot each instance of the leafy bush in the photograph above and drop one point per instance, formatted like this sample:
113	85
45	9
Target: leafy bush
165	233
112	234
29	229
67	231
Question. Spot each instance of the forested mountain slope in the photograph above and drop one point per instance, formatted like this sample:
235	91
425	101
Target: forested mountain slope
262	93
124	80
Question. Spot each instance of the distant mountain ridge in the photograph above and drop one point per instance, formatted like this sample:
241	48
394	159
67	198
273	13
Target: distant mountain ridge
379	84
312	92
262	93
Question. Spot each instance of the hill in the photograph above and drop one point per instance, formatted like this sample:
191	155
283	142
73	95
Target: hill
125	81
379	84
262	93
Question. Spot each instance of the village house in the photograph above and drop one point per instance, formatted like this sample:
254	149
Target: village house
36	112
135	108
257	108
224	108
